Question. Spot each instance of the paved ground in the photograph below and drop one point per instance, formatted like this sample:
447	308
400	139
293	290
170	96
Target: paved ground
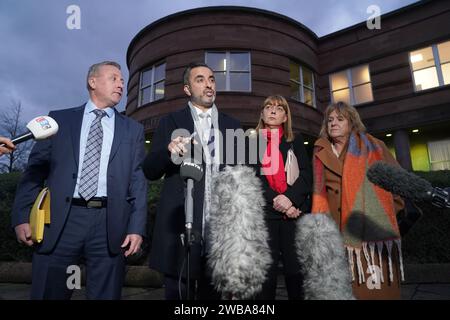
441	291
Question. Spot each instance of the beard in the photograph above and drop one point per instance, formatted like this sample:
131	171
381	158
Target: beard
203	100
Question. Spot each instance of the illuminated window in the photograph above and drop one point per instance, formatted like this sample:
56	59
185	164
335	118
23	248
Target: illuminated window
152	84
352	86
431	66
439	153
444	58
302	84
231	70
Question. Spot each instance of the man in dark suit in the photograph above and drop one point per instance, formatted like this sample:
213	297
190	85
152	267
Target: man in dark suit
201	117
98	193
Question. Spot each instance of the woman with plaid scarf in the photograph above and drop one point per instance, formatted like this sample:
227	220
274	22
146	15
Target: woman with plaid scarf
365	214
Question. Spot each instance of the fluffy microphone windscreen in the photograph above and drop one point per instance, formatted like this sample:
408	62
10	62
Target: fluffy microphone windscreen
399	181
321	253
239	255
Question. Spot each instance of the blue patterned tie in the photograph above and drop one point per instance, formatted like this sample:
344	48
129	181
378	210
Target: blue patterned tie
211	142
204	116
91	163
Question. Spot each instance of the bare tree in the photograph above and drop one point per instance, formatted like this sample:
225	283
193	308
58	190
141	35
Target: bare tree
11	125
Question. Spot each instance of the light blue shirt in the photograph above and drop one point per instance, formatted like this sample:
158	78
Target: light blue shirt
108	135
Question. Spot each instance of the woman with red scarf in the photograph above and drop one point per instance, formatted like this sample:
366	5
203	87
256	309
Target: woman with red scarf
284	202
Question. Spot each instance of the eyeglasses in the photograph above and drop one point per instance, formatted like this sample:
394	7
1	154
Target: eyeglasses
275	107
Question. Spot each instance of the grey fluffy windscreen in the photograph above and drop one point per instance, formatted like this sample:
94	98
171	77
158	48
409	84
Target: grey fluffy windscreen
399	181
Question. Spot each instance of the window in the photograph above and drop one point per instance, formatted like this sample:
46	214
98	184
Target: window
302	84
352	86
152	84
431	66
231	70
439	153
444	58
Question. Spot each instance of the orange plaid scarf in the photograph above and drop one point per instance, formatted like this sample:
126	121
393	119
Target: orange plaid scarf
368	214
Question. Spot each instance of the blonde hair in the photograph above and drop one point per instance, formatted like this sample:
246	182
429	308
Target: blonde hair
287	126
348	112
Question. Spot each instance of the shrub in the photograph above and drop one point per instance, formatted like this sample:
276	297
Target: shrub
428	240
439	178
10	249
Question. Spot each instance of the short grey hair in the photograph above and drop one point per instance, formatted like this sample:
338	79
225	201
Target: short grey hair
95	67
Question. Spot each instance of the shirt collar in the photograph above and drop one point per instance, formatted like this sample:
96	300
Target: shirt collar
199	111
90	106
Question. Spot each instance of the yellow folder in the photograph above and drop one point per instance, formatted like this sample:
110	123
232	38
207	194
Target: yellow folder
40	215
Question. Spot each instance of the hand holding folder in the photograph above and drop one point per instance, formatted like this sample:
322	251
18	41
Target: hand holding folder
40	215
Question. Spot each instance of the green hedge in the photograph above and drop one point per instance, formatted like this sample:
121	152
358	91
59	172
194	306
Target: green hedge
428	241
440	179
10	249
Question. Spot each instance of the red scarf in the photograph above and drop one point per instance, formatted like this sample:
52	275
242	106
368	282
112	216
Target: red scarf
272	163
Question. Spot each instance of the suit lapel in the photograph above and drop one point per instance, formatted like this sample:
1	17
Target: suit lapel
184	119
76	122
328	158
119	131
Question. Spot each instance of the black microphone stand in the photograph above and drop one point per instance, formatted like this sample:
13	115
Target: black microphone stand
188	237
190	171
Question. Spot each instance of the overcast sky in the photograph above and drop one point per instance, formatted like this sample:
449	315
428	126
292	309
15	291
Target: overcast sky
44	64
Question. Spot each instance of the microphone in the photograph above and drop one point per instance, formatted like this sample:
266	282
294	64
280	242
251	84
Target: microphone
321	253
39	128
190	170
407	185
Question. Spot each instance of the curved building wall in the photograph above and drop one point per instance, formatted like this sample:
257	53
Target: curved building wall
273	41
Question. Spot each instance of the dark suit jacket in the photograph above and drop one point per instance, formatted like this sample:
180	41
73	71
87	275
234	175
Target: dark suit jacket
55	161
167	253
299	193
